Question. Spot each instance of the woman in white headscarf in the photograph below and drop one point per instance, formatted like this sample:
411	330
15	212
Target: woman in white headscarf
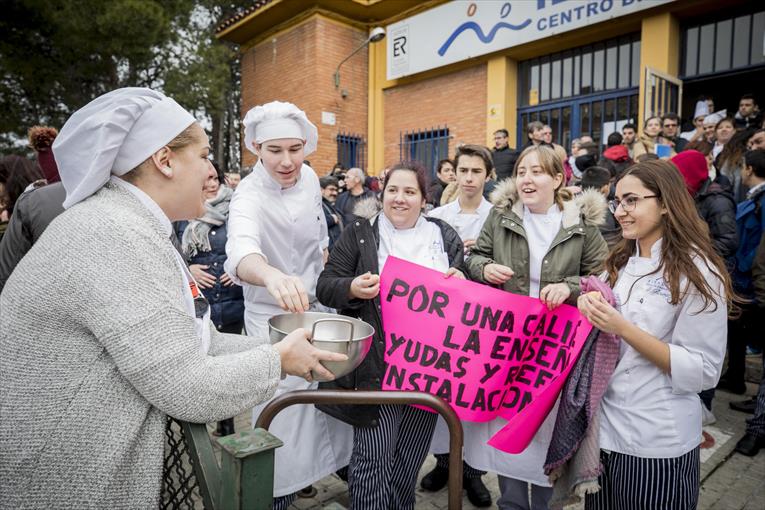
103	332
277	243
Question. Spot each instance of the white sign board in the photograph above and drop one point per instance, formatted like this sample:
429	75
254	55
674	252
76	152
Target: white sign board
461	30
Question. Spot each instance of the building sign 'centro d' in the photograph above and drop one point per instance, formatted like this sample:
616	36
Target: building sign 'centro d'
460	30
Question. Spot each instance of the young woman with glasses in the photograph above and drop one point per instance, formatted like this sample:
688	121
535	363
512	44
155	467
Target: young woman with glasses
674	293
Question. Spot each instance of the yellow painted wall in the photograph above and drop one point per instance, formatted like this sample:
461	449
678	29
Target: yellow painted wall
659	50
501	97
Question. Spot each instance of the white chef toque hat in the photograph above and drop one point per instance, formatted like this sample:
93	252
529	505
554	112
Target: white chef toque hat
714	118
702	109
277	120
113	134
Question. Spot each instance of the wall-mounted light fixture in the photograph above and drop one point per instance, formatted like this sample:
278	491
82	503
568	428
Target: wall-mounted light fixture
376	35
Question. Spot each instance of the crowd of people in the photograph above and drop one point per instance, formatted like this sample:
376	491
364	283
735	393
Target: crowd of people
157	274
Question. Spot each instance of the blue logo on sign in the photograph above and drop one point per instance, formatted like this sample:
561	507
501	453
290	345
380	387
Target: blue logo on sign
475	27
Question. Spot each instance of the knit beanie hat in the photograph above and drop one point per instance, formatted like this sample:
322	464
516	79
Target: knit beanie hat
693	167
617	153
40	139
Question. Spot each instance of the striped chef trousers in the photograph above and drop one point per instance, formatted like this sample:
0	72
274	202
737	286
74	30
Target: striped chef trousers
386	459
638	483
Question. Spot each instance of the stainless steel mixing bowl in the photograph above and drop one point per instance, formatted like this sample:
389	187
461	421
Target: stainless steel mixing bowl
330	332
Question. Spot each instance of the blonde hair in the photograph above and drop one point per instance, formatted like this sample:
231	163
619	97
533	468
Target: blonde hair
552	165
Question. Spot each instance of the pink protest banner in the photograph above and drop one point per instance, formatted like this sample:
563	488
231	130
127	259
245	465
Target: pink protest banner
487	352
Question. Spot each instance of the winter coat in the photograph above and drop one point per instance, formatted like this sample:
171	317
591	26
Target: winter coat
334	227
354	254
718	209
226	303
32	214
435	191
750	218
504	162
346	204
578	248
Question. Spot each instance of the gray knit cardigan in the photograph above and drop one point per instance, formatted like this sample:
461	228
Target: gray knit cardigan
96	348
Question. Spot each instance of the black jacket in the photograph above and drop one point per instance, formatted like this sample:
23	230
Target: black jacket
504	161
226	303
334	227
435	191
718	209
354	254
32	214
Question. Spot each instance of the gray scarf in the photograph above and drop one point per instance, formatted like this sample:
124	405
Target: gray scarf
196	237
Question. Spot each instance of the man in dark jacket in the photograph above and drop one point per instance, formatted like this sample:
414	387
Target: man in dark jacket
750	221
32	214
503	156
355	192
670	129
329	188
748	114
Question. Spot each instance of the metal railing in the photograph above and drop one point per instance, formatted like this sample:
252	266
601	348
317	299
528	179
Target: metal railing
425	146
382	397
244	477
351	150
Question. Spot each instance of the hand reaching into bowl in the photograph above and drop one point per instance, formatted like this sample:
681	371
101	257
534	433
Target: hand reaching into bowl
299	357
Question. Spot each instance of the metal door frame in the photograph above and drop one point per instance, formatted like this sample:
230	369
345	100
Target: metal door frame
575	105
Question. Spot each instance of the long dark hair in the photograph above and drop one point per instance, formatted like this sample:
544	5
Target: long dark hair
686	240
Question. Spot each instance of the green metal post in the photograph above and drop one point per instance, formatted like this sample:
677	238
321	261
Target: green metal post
247	470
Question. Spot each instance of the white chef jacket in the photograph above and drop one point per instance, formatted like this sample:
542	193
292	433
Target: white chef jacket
467	225
285	226
646	412
541	230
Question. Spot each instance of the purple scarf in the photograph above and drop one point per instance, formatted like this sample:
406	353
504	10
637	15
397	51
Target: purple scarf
573	458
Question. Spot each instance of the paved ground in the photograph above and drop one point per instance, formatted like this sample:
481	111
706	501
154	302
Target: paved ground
729	481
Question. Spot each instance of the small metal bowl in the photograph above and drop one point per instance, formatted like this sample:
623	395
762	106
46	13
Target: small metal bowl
330	332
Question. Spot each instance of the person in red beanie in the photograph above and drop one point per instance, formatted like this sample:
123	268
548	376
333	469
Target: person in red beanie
41	139
717	208
714	203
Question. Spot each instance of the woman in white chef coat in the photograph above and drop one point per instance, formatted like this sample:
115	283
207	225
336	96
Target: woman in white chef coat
674	293
277	241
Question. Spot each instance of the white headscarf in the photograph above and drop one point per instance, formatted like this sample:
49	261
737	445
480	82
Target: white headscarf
277	120
113	134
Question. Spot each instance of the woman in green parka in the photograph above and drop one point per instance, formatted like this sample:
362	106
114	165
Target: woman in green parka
537	241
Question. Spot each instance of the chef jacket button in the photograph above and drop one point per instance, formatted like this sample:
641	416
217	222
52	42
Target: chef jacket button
213	232
512	224
357	223
362	241
220	326
547	261
215	264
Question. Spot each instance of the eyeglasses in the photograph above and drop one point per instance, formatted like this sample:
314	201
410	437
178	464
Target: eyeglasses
628	203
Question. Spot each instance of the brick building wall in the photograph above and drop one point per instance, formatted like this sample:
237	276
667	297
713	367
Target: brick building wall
298	66
456	100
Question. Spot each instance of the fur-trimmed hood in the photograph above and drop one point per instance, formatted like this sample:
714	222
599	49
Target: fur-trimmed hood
367	208
589	206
